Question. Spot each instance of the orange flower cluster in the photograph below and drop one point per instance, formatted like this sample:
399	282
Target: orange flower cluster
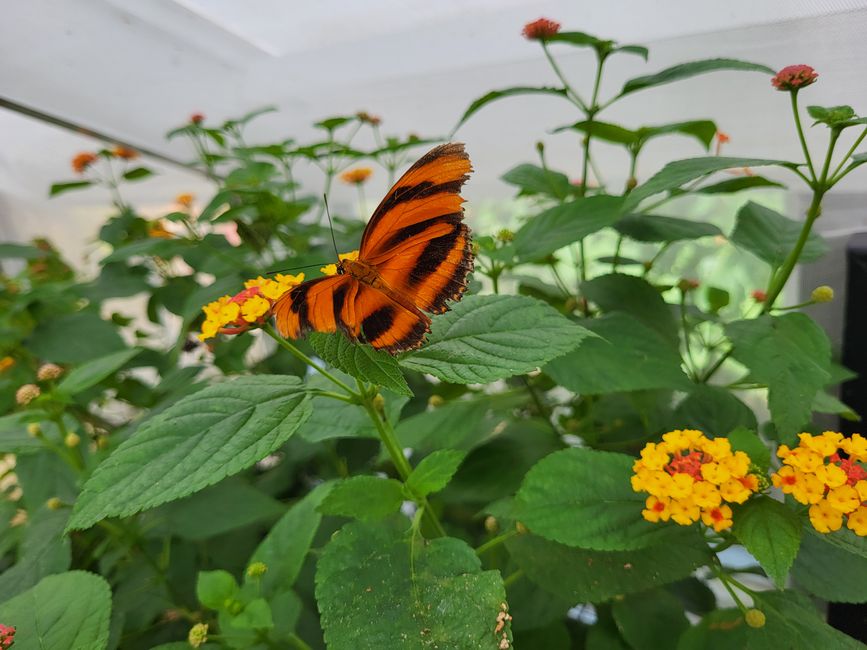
691	477
834	487
82	161
250	307
356	176
540	29
794	77
125	153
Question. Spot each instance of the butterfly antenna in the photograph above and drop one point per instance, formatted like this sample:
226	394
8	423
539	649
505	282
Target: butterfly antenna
295	268
330	225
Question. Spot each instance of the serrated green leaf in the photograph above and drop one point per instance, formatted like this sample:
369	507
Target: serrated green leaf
564	224
649	620
364	497
721	629
825	403
770	236
829	572
485	338
747	441
713	410
691	69
215	588
434	472
69	610
832	115
792	621
43	551
197	441
92	372
584	498
285	547
360	361
771	532
533	179
679	172
60	188
626	355
377	587
579	575
789	354
653	228
494	95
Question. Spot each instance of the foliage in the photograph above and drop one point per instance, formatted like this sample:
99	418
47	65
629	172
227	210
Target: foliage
245	491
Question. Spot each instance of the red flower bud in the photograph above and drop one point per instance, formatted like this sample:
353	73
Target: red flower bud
540	29
794	77
197	118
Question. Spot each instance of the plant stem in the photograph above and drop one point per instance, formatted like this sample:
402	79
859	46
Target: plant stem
834	178
495	541
298	643
570	92
513	578
298	354
794	96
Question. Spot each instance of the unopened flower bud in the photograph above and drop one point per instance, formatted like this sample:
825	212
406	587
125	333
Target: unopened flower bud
72	440
505	235
54	503
755	618
48	372
198	635
102	442
631	183
27	393
257	570
34	430
379	402
687	284
823	293
571	304
233	606
521	528
435	401
540	147
491	524
759	296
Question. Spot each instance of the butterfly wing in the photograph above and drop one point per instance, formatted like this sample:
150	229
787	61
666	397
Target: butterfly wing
416	238
362	313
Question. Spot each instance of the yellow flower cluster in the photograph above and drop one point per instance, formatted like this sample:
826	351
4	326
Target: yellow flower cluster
331	269
691	477
252	306
815	474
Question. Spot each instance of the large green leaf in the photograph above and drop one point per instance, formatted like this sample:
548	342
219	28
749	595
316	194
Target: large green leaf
494	95
43	551
74	338
789	354
378	587
583	497
650	620
434	471
792	621
691	69
564	224
771	532
152	247
579	575
364	497
714	410
770	236
533	179
69	610
613	133
285	547
676	173
702	130
617	292
653	228
830	572
626	356
485	338
360	361
92	372
197	441
738	184
455	425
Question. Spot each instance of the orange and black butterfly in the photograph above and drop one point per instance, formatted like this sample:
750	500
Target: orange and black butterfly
415	256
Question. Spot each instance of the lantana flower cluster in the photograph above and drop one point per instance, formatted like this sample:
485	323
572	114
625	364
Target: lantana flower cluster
691	477
827	473
250	307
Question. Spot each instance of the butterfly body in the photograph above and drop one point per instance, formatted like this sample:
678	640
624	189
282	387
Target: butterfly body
415	256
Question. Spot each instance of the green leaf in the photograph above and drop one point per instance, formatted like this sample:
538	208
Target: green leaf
613	133
377	587
650	620
137	174
793	622
738	184
747	441
679	172
579	575
14	438
653	228
69	610
717	298
454	425
256	615
583	497
702	130
830	572
74	338
435	471
60	188
580	39
713	410
196	442
10	250
152	247
848	541
825	403
691	69
626	355
770	236
564	224
721	629
43	551
533	179
360	361
832	115
285	547
494	95
364	497
214	588
92	372
771	532
789	354
485	338
617	292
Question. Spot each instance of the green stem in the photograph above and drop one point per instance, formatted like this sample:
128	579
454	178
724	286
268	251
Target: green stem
834	177
298	643
686	334
570	92
298	354
794	97
512	578
495	541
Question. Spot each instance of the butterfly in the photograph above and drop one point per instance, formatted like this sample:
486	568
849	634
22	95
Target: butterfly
415	256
